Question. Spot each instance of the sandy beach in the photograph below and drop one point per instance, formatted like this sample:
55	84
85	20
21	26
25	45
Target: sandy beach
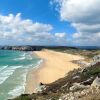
55	65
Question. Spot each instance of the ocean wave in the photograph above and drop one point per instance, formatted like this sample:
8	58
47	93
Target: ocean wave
21	58
14	67
16	75
27	56
34	66
3	67
23	55
28	66
19	89
7	72
39	63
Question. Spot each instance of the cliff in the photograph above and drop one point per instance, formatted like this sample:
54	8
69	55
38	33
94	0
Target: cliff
34	48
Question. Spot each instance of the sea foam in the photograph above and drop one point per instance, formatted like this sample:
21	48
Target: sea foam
14	72
19	89
7	72
3	67
21	58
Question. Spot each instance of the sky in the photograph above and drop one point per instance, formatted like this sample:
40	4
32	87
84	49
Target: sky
50	22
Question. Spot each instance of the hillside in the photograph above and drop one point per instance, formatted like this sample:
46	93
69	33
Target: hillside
79	84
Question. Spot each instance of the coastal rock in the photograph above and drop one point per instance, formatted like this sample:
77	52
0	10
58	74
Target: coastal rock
81	63
96	82
41	87
88	81
91	93
76	77
77	86
96	58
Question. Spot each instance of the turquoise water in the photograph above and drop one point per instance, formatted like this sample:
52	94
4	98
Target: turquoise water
14	66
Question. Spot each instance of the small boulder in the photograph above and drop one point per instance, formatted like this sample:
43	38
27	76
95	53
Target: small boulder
96	82
77	86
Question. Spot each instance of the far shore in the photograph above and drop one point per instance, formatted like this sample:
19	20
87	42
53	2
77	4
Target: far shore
55	65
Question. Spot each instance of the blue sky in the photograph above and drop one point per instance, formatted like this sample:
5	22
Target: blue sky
67	26
38	11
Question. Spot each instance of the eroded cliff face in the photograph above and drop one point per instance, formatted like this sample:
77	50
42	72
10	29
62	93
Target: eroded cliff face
34	48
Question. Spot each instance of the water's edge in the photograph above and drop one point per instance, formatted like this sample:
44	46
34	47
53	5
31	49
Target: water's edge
14	68
31	73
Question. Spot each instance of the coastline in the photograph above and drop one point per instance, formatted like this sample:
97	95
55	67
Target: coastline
31	82
54	66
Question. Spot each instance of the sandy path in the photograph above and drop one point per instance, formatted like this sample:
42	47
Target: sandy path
55	66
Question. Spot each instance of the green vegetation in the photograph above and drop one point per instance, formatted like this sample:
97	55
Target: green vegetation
88	54
94	70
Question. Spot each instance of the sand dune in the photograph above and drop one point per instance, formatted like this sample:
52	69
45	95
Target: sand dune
55	66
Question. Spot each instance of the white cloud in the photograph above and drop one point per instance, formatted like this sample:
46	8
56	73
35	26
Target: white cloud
24	30
60	35
84	15
61	38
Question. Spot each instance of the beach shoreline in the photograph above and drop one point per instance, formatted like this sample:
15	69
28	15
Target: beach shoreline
31	82
55	65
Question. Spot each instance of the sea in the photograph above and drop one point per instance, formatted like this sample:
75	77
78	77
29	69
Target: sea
14	67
